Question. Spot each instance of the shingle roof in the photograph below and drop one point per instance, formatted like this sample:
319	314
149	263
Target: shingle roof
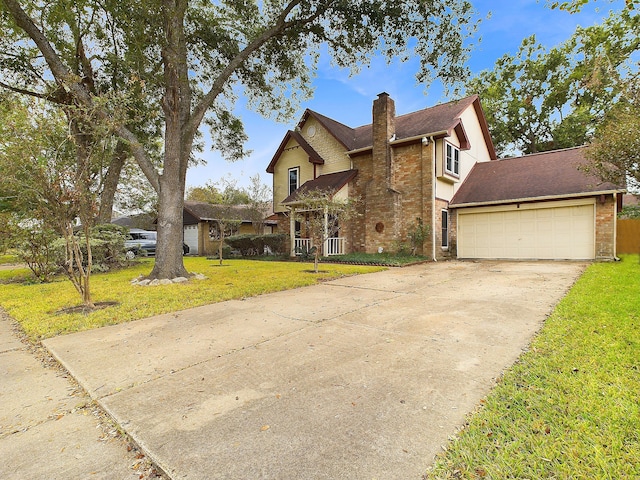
429	121
331	182
538	176
443	117
204	211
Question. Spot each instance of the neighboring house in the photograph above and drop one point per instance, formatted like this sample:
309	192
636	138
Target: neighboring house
144	221
201	223
431	164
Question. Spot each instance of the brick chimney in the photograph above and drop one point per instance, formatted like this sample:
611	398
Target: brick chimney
384	129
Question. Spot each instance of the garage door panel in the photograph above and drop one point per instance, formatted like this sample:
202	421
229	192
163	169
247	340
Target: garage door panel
563	232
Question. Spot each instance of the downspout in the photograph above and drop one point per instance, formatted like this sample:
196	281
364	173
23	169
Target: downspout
433	199
615	227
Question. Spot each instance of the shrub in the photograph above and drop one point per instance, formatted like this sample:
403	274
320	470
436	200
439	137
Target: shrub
249	245
107	246
277	243
36	248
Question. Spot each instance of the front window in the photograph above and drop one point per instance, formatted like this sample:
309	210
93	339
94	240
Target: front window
445	229
452	161
294	174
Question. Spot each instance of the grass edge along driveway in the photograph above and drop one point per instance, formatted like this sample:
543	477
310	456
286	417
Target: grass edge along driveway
569	408
36	307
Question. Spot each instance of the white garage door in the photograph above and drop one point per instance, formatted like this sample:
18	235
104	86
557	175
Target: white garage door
191	238
539	231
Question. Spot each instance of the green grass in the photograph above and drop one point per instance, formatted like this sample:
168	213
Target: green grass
570	407
36	306
8	258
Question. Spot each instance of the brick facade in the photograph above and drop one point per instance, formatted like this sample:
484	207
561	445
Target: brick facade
606	210
394	185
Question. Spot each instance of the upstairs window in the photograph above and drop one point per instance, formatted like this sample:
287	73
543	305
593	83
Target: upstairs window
294	177
452	160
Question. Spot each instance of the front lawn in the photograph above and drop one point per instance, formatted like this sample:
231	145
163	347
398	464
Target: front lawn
8	258
570	407
36	306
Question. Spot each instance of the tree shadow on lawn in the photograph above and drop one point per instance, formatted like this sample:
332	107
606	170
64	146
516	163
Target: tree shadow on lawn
84	309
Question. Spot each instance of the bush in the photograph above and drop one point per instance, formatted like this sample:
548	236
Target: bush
107	246
248	245
36	248
630	212
277	243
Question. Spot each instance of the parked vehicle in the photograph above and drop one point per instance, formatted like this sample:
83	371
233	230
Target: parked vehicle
143	243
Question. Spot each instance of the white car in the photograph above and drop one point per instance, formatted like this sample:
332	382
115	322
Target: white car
143	243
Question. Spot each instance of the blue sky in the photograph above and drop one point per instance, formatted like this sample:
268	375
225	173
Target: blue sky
349	99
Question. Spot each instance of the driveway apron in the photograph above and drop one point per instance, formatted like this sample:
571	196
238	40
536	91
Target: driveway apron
364	377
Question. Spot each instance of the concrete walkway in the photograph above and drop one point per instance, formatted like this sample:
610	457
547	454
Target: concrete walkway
48	429
360	378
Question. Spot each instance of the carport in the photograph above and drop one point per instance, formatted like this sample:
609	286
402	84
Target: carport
540	206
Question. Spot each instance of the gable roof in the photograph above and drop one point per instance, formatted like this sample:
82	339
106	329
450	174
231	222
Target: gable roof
540	176
438	121
314	157
331	182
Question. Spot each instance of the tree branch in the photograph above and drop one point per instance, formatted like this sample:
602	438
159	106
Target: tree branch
23	91
77	89
279	26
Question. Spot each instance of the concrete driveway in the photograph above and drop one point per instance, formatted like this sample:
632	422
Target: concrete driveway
364	377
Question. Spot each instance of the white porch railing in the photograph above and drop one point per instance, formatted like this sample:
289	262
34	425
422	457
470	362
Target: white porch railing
333	246
301	244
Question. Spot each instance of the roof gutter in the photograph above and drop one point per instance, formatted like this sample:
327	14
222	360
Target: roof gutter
533	199
439	134
415	138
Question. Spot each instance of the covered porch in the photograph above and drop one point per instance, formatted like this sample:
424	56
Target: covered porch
318	204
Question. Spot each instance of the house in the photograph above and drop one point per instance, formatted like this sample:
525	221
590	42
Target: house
439	165
201	224
400	167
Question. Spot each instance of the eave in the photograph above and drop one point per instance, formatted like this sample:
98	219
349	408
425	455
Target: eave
564	196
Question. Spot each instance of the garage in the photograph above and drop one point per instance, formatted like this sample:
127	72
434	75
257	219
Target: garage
191	238
549	230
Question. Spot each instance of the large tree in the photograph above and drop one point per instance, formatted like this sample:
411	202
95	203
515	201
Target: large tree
543	99
209	53
614	152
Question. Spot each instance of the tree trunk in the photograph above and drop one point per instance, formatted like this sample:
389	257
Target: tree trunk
169	262
221	244
178	142
110	184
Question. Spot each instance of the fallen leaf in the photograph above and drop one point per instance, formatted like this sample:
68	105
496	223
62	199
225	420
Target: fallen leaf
265	428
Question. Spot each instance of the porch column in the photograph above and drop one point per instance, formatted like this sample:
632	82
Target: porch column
292	230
